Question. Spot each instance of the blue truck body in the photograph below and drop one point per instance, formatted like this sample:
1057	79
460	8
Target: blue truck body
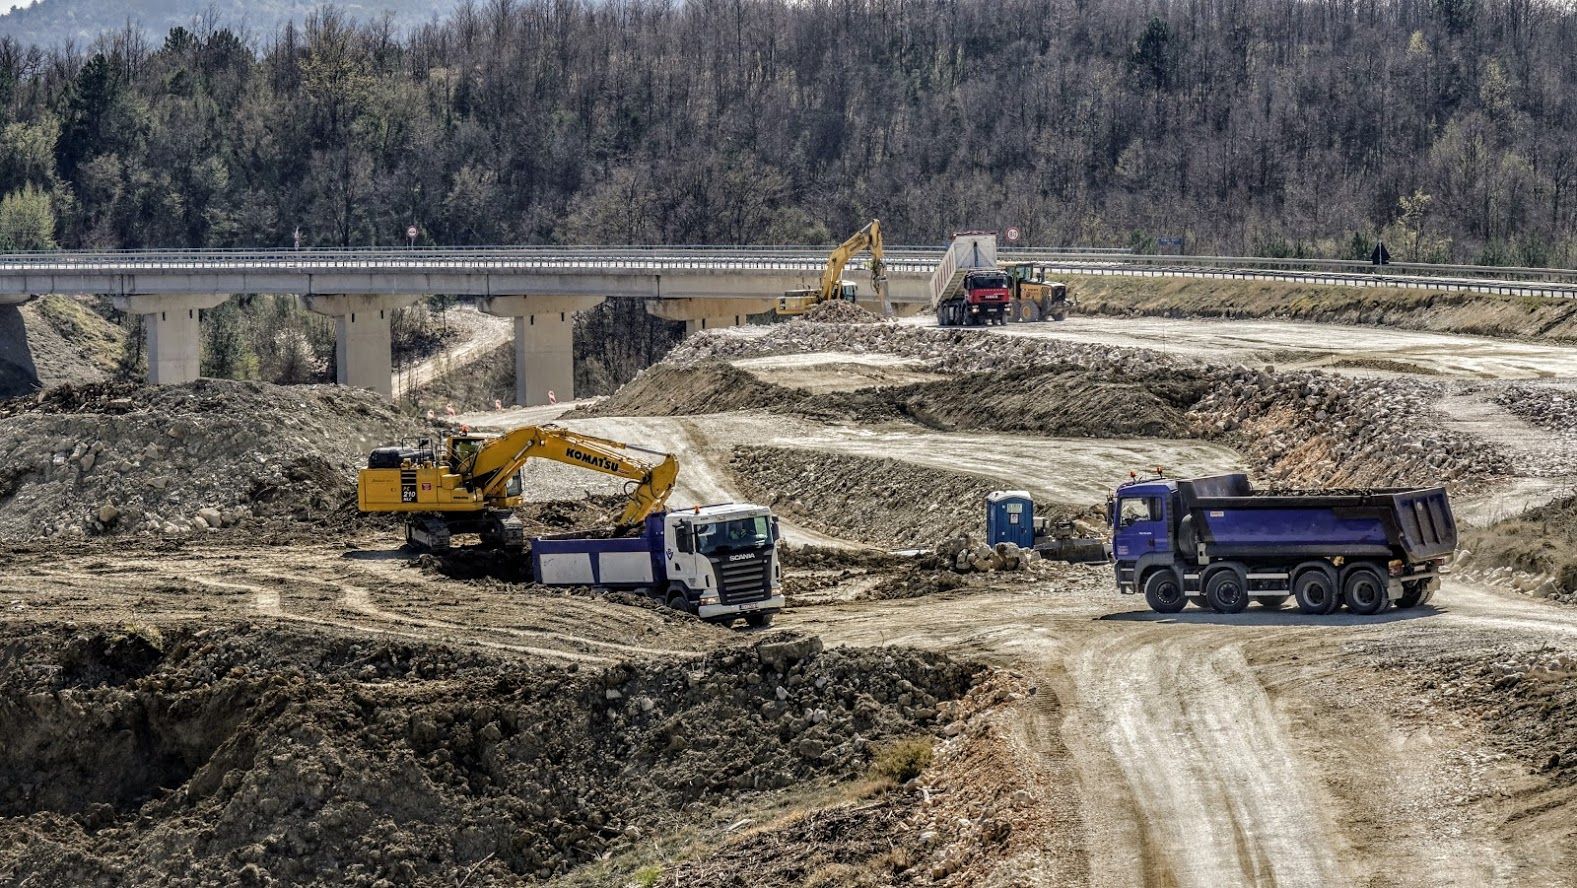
1219	543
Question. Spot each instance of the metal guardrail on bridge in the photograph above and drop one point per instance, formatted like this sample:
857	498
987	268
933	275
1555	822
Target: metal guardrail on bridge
902	259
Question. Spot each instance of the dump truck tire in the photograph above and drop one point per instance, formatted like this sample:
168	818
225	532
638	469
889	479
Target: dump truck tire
1364	589
1271	602
1163	591
1199	602
1316	593
758	621
1227	589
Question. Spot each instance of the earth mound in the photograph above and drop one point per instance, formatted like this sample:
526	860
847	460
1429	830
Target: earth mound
114	457
245	754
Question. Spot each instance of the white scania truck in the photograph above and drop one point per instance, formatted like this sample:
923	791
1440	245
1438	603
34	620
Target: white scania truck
718	562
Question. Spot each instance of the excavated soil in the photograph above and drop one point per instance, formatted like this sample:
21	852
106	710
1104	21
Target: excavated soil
116	457
240	753
55	340
874	500
837	311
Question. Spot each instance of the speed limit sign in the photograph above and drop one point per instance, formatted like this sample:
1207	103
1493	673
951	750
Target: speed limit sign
1013	234
411	232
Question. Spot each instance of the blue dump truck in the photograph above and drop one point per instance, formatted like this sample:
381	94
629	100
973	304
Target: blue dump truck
718	562
1218	543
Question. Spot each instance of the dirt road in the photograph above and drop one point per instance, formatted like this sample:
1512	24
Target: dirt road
472	335
1294	344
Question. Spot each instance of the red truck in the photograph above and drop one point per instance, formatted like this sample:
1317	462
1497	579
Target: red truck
967	286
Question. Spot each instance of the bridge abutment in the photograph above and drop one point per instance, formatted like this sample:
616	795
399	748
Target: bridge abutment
172	332
544	343
363	352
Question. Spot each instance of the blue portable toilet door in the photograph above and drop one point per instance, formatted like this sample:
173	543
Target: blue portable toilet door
1010	518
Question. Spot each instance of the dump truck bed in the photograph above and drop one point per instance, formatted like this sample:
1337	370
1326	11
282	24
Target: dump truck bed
1232	520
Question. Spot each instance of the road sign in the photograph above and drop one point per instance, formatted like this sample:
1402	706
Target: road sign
1380	256
1169	242
1013	234
411	232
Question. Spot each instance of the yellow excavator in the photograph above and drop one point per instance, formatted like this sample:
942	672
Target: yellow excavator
833	286
470	482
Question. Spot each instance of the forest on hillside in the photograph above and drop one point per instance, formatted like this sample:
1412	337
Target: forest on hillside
1276	127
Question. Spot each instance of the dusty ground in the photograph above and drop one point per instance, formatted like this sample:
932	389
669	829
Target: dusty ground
1111	746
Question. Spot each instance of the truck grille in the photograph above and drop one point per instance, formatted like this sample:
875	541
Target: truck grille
741	582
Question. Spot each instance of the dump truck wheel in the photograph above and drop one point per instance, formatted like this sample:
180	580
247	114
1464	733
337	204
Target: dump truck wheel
1364	589
1226	589
758	621
1413	594
1163	591
1271	602
1315	592
1199	602
677	601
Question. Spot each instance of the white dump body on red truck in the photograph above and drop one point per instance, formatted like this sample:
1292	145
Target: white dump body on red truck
967	286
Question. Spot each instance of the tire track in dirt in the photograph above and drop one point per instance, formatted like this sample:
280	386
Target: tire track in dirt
1206	762
360	599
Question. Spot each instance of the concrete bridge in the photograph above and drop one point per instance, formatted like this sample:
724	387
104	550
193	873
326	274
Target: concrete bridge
542	288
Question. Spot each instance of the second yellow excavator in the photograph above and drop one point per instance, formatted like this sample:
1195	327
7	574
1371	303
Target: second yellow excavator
470	482
833	286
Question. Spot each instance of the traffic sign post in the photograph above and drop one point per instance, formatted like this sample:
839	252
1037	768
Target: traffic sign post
1380	256
1013	234
410	236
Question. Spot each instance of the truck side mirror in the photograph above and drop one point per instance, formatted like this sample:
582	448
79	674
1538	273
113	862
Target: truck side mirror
776	534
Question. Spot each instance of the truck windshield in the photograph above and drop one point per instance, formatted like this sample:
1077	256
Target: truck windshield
740	533
989	281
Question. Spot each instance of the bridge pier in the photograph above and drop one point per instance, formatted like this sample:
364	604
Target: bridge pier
172	331
709	314
363	354
544	343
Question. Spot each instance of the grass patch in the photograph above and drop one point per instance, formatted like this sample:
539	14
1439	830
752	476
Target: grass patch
902	761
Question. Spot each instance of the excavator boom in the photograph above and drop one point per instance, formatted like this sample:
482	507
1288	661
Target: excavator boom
831	284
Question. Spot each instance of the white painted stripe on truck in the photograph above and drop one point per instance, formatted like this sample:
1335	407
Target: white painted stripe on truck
569	568
626	567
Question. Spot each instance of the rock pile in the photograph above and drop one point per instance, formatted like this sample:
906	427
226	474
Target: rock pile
273	754
963	553
1544	406
1314	429
946	351
1303	428
881	501
108	458
838	311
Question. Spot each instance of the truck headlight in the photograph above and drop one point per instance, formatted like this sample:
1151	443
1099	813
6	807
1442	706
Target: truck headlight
709	599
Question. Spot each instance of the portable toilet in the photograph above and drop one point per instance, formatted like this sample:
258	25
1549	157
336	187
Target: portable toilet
1010	518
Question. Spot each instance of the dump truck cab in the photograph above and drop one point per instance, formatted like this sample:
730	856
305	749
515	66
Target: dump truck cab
1141	514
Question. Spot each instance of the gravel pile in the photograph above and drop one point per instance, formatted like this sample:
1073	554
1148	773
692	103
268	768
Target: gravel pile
837	311
1549	408
109	458
267	755
1303	428
1314	429
945	351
